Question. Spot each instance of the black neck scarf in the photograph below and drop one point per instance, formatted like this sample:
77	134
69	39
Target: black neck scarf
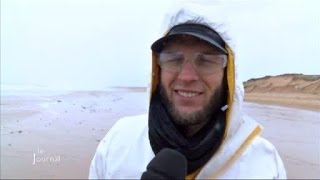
197	149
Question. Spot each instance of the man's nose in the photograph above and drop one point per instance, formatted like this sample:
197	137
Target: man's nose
188	72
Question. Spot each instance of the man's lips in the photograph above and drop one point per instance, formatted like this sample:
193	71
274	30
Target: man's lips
188	93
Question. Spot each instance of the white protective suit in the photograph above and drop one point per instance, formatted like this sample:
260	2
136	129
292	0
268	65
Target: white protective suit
125	151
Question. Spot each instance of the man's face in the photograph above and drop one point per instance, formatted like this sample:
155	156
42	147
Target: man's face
191	97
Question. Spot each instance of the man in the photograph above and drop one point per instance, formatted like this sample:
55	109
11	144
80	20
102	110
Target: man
195	109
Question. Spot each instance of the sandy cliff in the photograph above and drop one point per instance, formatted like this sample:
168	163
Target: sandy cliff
295	90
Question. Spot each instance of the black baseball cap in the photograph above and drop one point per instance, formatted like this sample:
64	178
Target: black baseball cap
200	31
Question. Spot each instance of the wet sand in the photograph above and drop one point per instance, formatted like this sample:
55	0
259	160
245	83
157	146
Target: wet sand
66	128
295	134
294	100
51	135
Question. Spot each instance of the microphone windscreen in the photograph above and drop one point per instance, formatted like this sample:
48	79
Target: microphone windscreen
167	164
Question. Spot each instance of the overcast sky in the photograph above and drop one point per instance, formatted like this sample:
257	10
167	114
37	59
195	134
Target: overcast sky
94	44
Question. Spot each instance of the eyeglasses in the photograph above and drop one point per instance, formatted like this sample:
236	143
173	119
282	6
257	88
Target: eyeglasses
204	64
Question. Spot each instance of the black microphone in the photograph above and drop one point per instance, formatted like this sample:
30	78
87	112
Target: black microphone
167	164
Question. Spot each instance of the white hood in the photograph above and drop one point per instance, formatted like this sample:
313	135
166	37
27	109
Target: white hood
240	131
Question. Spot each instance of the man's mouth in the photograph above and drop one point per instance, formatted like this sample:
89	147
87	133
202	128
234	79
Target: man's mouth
187	94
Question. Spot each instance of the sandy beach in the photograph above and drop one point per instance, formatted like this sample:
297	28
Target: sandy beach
66	128
295	134
294	100
54	135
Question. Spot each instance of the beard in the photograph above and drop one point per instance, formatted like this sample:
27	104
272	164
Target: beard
197	117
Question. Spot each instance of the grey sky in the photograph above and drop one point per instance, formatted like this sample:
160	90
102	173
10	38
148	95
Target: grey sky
93	44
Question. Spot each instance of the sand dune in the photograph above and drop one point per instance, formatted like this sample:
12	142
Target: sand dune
286	83
293	90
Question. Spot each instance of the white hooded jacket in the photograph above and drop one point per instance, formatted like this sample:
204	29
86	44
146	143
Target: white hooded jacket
125	151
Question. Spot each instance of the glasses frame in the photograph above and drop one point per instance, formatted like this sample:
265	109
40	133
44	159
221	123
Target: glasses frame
196	56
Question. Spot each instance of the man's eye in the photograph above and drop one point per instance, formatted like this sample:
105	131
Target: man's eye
171	58
206	62
174	61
